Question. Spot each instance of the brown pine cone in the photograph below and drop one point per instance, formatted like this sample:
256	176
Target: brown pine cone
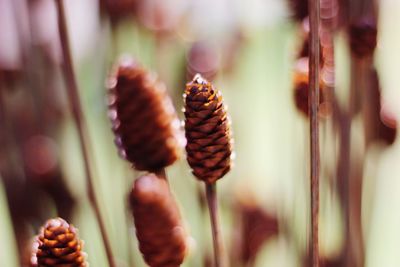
162	237
58	245
209	145
143	118
363	37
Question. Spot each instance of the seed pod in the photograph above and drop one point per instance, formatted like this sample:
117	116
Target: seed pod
209	145
363	37
162	238
301	89
58	245
143	118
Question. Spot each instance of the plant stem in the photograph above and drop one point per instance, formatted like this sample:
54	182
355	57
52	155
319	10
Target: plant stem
211	191
77	113
314	14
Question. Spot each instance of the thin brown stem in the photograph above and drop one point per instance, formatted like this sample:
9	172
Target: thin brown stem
314	12
77	113
219	257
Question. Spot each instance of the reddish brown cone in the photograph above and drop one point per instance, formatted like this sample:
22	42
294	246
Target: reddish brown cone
144	120
162	237
209	146
58	245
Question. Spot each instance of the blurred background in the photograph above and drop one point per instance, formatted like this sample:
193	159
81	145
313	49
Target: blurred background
255	52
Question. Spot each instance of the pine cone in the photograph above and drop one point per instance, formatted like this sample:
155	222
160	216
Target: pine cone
58	245
363	37
144	120
209	146
162	238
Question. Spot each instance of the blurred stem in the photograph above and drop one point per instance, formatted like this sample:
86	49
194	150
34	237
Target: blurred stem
314	13
77	113
162	174
219	257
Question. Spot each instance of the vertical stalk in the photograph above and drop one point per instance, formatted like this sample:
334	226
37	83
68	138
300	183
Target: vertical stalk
211	192
314	14
77	113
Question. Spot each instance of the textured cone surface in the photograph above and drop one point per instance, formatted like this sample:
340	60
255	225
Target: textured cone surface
58	245
144	120
209	145
161	236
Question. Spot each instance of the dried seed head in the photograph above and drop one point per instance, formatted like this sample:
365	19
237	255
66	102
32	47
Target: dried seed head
58	245
162	237
209	145
363	37
301	89
143	118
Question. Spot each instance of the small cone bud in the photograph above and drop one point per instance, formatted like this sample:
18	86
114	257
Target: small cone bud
209	145
143	118
58	245
161	235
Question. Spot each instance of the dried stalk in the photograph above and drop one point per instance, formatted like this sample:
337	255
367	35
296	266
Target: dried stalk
77	113
211	191
314	12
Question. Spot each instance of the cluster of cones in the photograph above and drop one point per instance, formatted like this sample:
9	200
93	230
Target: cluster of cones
148	135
